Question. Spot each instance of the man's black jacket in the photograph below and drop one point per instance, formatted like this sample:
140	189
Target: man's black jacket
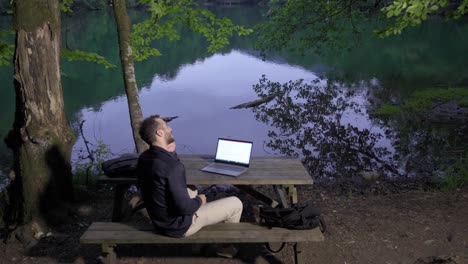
163	185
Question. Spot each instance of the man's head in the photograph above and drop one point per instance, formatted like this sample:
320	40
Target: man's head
155	131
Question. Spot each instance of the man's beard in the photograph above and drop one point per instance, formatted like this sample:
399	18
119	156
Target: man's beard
170	139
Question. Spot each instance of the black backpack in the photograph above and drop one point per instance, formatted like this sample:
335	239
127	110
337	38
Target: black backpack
296	217
123	166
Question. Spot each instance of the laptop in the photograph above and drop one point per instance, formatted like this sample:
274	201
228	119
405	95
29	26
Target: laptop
232	157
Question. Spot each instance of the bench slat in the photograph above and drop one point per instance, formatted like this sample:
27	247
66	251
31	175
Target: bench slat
221	233
110	226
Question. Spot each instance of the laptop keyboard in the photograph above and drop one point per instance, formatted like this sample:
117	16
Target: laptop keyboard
227	167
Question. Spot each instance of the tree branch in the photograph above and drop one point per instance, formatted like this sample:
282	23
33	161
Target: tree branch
90	153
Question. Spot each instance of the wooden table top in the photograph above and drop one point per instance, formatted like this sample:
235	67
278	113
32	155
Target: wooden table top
269	170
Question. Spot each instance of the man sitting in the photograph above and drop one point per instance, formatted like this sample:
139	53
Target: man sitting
175	210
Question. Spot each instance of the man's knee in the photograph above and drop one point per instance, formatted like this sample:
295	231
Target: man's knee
235	202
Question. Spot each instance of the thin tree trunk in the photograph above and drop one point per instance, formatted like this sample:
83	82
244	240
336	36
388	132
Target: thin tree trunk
128	69
40	139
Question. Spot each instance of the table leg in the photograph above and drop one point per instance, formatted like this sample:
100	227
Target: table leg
282	195
292	192
109	254
119	193
258	195
292	195
297	253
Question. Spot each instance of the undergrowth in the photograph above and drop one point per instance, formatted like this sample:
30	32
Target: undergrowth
88	168
455	176
423	100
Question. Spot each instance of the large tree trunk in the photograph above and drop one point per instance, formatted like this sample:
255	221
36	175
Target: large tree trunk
128	69
40	139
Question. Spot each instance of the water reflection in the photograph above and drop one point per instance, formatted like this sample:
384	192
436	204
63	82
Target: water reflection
201	96
429	142
326	124
332	127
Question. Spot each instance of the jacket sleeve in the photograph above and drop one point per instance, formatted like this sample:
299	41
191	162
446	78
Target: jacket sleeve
178	188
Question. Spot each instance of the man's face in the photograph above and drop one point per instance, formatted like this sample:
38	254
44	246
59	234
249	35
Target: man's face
167	132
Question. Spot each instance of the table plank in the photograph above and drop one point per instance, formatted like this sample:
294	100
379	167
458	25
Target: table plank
263	170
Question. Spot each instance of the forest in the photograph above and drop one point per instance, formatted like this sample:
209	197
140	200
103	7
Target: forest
371	96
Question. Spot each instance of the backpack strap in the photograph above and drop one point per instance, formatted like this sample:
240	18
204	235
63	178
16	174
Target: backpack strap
323	224
275	251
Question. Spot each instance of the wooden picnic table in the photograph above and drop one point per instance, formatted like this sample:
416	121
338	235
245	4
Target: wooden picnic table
284	173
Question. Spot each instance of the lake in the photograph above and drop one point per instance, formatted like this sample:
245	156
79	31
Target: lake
200	87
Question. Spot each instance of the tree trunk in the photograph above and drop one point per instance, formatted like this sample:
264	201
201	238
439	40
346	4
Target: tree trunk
128	69
40	139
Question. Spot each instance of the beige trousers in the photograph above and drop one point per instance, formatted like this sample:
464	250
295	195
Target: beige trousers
226	210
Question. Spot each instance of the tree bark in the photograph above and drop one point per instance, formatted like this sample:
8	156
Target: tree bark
128	70
40	139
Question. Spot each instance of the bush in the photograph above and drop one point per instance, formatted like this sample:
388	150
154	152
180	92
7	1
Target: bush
456	176
86	173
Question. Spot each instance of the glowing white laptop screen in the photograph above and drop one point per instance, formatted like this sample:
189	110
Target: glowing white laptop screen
233	151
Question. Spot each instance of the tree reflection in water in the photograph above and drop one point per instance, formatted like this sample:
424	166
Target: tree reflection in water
309	120
432	141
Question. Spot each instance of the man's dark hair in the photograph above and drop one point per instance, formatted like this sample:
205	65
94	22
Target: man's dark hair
147	128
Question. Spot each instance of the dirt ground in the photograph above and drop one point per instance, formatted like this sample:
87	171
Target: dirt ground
364	226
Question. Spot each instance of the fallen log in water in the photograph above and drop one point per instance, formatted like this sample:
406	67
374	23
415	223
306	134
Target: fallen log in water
254	103
169	119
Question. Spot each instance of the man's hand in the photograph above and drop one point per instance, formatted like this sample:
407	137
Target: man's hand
203	198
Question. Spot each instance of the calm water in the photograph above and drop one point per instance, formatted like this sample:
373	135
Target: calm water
200	87
201	96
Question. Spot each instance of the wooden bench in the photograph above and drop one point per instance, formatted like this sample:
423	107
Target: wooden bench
109	235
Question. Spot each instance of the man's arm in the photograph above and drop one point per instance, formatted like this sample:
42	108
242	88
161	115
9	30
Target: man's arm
178	188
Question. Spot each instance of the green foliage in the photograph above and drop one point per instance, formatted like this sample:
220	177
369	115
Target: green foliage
167	14
407	13
461	10
463	102
65	6
6	6
307	25
6	49
456	176
74	55
423	100
86	173
6	53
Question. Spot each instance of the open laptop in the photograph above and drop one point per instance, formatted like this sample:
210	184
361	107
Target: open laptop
232	157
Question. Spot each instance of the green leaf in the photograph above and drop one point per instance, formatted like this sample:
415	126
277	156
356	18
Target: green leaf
6	53
166	16
65	6
78	55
